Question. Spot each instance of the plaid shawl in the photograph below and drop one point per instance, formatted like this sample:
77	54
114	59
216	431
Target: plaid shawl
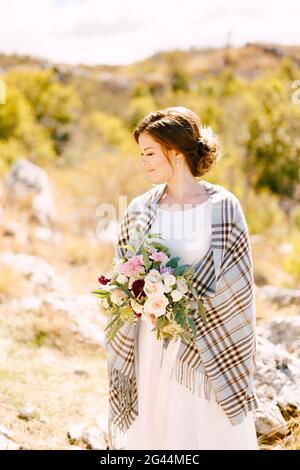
224	351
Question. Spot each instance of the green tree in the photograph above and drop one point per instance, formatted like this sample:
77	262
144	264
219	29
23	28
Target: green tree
54	104
273	143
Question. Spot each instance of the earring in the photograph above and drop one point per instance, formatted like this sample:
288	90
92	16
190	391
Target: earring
177	161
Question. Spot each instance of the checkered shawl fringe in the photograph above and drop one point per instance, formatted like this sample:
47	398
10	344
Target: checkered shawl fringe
222	358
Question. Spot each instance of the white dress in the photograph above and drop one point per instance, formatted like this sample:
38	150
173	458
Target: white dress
183	419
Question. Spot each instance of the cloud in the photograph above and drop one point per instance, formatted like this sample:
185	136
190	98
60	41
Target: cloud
98	27
119	31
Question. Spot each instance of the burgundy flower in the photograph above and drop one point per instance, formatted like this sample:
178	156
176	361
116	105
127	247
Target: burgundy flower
137	314
103	280
137	287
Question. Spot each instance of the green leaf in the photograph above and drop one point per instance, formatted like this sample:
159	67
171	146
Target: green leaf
128	247
129	293
190	271
194	291
100	291
147	262
202	312
172	263
113	331
154	235
180	310
101	296
180	269
193	326
115	283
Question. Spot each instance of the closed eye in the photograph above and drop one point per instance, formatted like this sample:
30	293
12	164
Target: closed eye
147	155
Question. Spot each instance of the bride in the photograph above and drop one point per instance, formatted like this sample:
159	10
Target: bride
188	397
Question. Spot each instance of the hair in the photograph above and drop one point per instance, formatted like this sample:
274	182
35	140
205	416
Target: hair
179	128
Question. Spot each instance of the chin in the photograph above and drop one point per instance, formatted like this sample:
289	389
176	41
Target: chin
155	179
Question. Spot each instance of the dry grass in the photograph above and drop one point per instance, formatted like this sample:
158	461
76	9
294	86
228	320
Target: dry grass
289	442
40	354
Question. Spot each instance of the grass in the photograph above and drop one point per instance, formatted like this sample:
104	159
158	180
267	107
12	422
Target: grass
43	374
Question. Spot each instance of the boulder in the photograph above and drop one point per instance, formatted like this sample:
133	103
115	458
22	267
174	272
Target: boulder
27	179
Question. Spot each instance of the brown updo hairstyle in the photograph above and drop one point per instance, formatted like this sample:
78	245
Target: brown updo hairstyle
179	128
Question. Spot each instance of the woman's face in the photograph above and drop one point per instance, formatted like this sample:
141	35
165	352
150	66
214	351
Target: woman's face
153	159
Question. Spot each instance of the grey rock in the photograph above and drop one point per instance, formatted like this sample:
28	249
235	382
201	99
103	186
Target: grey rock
268	418
75	432
277	382
285	331
23	178
282	297
34	268
94	438
27	412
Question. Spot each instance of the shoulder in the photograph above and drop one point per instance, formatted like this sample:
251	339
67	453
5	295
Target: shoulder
231	204
224	194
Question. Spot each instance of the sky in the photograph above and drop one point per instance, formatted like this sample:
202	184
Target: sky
124	31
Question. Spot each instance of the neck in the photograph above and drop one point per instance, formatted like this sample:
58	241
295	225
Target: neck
182	189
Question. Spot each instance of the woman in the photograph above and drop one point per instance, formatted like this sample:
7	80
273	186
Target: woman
188	396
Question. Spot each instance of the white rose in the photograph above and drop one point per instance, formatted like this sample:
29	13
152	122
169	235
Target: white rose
154	288
122	279
182	285
153	276
176	295
168	289
118	296
169	279
156	305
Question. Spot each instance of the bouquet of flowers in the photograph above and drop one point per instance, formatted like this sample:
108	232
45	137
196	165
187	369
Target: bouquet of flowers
152	286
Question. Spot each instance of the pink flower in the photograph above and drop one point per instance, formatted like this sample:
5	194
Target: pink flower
133	267
158	256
